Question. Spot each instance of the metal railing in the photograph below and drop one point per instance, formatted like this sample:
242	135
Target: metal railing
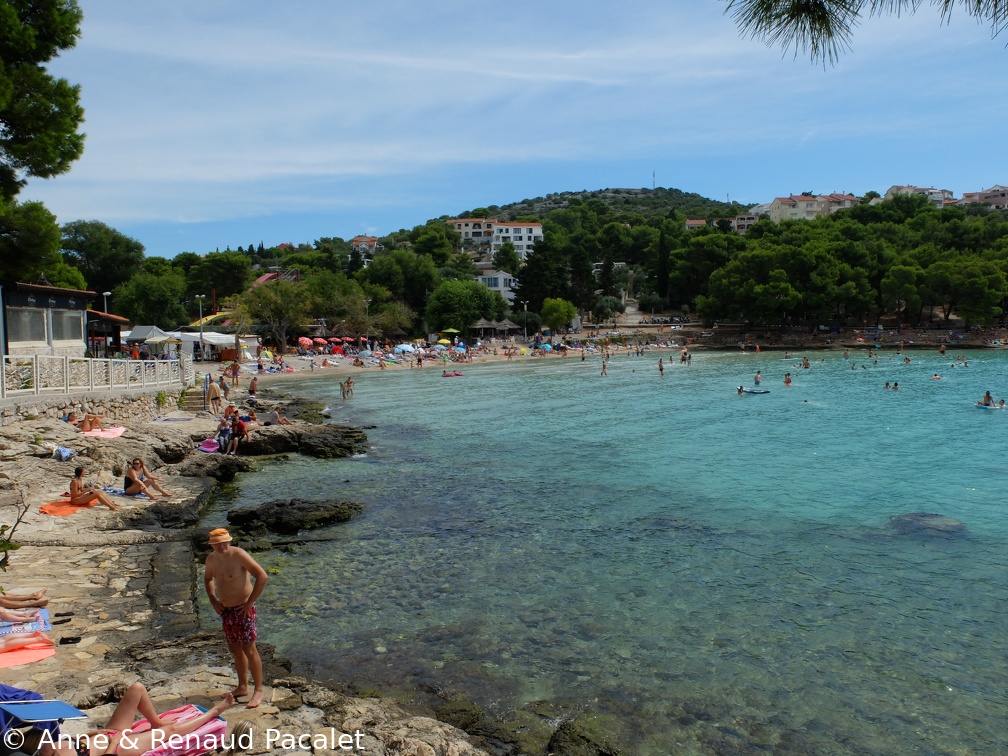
40	374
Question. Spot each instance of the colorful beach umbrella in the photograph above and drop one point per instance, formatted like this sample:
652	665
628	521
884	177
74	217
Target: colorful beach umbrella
444	342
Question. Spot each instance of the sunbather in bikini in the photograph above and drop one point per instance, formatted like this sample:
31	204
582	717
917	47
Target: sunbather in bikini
140	480
19	615
19	640
24	600
117	739
81	495
87	423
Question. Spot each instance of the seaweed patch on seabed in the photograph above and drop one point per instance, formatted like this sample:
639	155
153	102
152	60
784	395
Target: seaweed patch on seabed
928	525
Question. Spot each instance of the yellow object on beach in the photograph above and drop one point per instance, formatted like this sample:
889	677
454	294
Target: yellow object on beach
267	354
444	341
524	351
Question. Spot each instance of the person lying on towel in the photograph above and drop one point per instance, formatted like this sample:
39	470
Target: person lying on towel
117	736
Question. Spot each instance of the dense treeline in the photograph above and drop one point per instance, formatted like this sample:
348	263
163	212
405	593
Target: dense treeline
901	259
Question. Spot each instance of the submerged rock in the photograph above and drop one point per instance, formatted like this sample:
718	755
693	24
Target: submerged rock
927	524
293	515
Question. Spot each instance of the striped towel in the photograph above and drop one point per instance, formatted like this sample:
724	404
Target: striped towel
41	624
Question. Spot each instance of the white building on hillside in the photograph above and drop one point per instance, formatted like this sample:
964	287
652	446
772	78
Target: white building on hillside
500	281
484	233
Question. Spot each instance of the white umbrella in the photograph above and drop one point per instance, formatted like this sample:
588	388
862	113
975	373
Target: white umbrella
404	348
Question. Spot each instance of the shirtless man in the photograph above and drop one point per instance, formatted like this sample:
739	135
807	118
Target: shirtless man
234	581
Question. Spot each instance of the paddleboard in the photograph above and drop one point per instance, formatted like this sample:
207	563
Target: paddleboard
755	391
986	406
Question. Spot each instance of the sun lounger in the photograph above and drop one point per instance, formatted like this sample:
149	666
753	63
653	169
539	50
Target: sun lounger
42	713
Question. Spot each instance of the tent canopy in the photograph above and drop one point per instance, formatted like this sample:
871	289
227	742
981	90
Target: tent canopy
149	334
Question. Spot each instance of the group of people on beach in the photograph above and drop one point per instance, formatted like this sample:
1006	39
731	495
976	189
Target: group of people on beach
233	581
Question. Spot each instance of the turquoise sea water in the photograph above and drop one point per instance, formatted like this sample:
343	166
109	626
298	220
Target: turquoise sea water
662	550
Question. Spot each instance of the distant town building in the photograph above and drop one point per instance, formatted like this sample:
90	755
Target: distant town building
743	223
807	206
937	197
500	281
694	223
996	198
365	244
488	234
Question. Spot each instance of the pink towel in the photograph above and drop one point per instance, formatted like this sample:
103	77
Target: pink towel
209	737
113	432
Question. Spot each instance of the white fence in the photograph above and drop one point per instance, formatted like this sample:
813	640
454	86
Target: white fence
39	374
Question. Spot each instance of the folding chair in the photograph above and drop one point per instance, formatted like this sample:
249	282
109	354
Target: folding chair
17	713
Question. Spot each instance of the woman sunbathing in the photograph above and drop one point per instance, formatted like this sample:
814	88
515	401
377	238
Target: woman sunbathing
139	480
87	423
19	640
81	496
24	600
117	738
19	615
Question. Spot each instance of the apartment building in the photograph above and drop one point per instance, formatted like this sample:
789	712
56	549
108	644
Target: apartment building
500	281
488	234
808	207
996	198
937	197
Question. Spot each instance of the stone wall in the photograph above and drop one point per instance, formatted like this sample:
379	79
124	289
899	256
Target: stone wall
114	407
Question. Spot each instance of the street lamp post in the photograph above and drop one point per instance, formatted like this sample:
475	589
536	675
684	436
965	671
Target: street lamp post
106	295
199	299
367	322
525	320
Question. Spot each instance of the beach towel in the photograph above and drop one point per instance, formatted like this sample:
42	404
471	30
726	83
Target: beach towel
122	492
209	737
63	507
42	623
210	446
113	432
26	655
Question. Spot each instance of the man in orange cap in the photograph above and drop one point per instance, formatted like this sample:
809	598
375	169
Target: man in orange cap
233	581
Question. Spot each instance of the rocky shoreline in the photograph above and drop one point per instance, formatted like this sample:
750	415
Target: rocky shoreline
129	578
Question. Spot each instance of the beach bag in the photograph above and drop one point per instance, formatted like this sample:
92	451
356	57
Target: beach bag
210	445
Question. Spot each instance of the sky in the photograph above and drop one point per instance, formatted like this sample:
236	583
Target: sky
234	122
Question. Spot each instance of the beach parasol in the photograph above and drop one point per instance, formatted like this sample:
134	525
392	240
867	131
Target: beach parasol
320	341
546	348
450	330
304	341
348	338
334	339
337	350
440	347
444	342
364	353
460	349
404	348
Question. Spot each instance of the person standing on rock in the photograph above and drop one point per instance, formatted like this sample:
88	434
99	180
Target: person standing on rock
213	395
233	581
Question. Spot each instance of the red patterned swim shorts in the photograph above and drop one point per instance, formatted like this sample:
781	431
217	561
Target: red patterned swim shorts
239	627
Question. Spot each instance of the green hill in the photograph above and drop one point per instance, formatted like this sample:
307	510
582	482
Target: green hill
646	202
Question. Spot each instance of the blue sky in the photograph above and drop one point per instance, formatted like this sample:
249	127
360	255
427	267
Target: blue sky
225	123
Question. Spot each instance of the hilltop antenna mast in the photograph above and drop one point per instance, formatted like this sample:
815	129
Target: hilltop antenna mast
652	181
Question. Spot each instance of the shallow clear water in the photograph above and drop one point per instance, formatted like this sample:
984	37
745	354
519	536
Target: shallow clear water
652	546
